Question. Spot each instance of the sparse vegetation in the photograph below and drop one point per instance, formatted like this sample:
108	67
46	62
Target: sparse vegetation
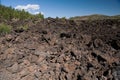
23	27
4	28
63	18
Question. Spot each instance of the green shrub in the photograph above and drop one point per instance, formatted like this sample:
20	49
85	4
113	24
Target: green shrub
4	28
24	27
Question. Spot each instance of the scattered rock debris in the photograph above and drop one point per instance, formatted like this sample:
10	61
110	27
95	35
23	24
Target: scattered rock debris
54	49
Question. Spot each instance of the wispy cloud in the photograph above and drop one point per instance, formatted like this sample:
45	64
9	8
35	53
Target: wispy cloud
42	13
31	8
37	12
28	7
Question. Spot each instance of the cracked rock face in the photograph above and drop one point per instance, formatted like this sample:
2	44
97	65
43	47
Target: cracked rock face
54	49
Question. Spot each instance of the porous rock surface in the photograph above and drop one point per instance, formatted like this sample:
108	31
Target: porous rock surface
57	49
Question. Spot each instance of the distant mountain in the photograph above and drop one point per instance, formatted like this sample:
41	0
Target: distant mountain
95	17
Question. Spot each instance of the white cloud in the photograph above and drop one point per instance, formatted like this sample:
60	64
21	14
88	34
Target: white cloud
42	13
28	7
31	8
37	12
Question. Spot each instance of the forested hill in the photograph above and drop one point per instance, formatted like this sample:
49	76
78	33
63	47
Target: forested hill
9	13
95	17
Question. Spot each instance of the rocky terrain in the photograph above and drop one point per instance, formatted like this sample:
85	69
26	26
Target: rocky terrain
60	49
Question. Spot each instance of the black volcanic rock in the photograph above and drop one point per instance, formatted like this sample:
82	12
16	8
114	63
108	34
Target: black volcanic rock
61	49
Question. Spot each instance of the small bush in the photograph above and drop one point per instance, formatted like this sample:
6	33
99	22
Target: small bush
21	28
24	27
4	28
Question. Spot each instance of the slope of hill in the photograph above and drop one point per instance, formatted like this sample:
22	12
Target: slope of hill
95	17
9	13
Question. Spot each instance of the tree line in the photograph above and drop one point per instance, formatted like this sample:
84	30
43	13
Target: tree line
11	13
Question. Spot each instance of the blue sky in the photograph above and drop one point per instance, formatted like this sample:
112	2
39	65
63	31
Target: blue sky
67	8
